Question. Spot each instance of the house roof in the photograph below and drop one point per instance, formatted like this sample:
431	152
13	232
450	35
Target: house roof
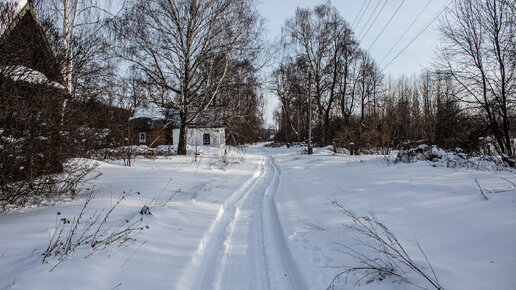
22	73
23	44
153	113
157	117
15	8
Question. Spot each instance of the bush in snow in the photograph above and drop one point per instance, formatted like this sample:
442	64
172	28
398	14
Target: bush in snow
342	151
48	189
383	254
452	159
286	144
91	231
225	159
165	150
122	152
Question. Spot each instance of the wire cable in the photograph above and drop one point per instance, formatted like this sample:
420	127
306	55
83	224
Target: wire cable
419	34
385	27
406	31
359	11
369	18
374	21
363	12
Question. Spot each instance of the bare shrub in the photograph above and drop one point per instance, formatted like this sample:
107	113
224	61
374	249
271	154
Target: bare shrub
48	189
481	191
451	159
390	259
165	150
228	158
314	225
127	154
91	231
364	137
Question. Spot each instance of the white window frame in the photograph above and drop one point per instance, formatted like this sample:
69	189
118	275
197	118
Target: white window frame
143	137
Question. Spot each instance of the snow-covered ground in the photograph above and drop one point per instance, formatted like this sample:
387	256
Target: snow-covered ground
264	219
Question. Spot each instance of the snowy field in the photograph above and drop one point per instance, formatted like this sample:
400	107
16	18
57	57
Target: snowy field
264	219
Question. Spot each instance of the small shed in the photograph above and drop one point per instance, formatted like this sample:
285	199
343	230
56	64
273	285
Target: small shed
154	126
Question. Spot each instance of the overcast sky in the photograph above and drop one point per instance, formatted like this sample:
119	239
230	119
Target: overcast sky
415	58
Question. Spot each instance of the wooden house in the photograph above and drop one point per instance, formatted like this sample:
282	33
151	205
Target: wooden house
156	126
31	96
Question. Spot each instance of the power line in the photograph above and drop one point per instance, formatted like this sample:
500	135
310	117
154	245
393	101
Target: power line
363	12
369	19
385	27
419	34
362	15
359	11
374	21
406	31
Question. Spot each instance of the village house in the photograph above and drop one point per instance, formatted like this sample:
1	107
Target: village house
32	93
156	126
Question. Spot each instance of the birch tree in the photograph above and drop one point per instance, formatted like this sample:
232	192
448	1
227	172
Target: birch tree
325	40
81	44
186	48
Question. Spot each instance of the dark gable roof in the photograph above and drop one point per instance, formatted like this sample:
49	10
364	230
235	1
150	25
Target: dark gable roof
162	118
23	42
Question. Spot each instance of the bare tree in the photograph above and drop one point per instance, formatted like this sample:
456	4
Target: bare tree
186	48
242	103
354	106
291	86
78	33
82	21
347	83
479	52
323	38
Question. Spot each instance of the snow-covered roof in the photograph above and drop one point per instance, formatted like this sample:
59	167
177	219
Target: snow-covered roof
22	73
14	7
212	117
159	117
154	113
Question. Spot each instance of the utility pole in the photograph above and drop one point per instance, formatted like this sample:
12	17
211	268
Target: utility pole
309	113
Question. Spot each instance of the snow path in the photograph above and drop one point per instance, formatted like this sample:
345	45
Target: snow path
245	248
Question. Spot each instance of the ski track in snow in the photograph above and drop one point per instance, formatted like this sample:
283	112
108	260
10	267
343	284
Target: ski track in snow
245	247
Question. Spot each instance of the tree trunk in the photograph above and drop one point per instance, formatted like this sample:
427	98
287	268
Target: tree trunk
181	147
327	132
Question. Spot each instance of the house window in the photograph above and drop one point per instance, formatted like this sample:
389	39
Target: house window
206	139
143	138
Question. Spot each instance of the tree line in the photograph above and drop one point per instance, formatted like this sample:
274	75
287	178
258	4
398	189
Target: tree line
466	100
194	54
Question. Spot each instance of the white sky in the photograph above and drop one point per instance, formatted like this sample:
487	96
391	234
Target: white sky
415	58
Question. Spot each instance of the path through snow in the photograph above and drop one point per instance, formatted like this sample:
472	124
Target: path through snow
245	247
